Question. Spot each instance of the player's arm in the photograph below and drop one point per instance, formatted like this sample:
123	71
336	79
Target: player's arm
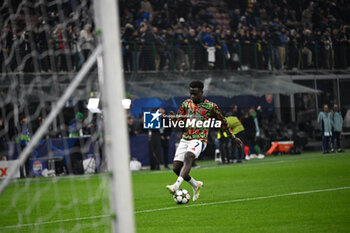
180	113
225	127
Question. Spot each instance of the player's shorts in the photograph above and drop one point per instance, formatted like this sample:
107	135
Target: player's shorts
194	146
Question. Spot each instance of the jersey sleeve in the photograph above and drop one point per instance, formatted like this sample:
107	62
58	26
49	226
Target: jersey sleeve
224	125
181	112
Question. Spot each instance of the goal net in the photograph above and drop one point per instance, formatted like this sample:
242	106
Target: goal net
62	127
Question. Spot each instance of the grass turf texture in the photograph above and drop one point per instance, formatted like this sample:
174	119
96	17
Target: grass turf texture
256	196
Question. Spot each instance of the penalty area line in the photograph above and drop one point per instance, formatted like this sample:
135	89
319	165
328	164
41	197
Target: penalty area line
243	199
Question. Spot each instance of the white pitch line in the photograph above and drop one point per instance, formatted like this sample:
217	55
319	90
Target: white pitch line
55	221
286	160
242	200
176	207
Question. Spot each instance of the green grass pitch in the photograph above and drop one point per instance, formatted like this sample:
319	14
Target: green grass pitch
301	193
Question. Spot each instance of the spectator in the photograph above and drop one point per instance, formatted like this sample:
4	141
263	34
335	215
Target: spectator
42	44
230	48
247	50
60	40
293	46
209	41
347	45
161	48
308	46
282	46
238	130
327	50
265	50
223	146
78	57
256	60
339	39
86	41
23	138
195	49
222	54
202	61
257	148
337	125
234	110
146	6
235	19
128	47
307	16
324	120
147	60
154	149
179	47
76	127
132	127
275	43
249	134
25	49
243	43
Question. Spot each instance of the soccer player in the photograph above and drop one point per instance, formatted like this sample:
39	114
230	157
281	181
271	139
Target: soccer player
194	138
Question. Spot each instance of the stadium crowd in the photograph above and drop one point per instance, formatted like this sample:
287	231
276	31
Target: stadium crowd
180	35
45	37
219	34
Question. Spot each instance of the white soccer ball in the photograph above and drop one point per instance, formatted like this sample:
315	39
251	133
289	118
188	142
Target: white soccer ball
181	196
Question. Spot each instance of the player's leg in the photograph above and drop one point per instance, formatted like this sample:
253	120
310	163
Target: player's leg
195	148
184	157
186	168
183	173
178	164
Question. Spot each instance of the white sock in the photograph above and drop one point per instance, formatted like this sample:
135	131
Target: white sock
178	182
193	182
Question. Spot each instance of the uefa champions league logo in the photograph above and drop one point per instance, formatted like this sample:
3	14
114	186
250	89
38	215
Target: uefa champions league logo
151	120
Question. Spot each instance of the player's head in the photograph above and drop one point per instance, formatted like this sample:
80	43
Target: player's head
196	91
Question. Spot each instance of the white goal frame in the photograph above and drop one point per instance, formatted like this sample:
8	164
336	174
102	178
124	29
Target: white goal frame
116	136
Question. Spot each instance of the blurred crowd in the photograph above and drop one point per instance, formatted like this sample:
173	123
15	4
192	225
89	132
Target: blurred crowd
52	37
180	35
259	34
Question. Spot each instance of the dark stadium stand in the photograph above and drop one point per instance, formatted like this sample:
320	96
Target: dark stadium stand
307	42
176	35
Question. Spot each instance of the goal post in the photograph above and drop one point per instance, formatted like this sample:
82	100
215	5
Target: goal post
116	139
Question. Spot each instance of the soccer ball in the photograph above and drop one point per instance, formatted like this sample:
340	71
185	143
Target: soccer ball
181	196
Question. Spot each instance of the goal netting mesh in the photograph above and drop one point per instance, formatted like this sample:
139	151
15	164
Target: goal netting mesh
63	185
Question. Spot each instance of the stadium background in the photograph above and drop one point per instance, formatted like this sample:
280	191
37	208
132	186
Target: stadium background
289	57
164	45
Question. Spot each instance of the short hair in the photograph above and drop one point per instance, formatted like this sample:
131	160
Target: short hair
197	84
